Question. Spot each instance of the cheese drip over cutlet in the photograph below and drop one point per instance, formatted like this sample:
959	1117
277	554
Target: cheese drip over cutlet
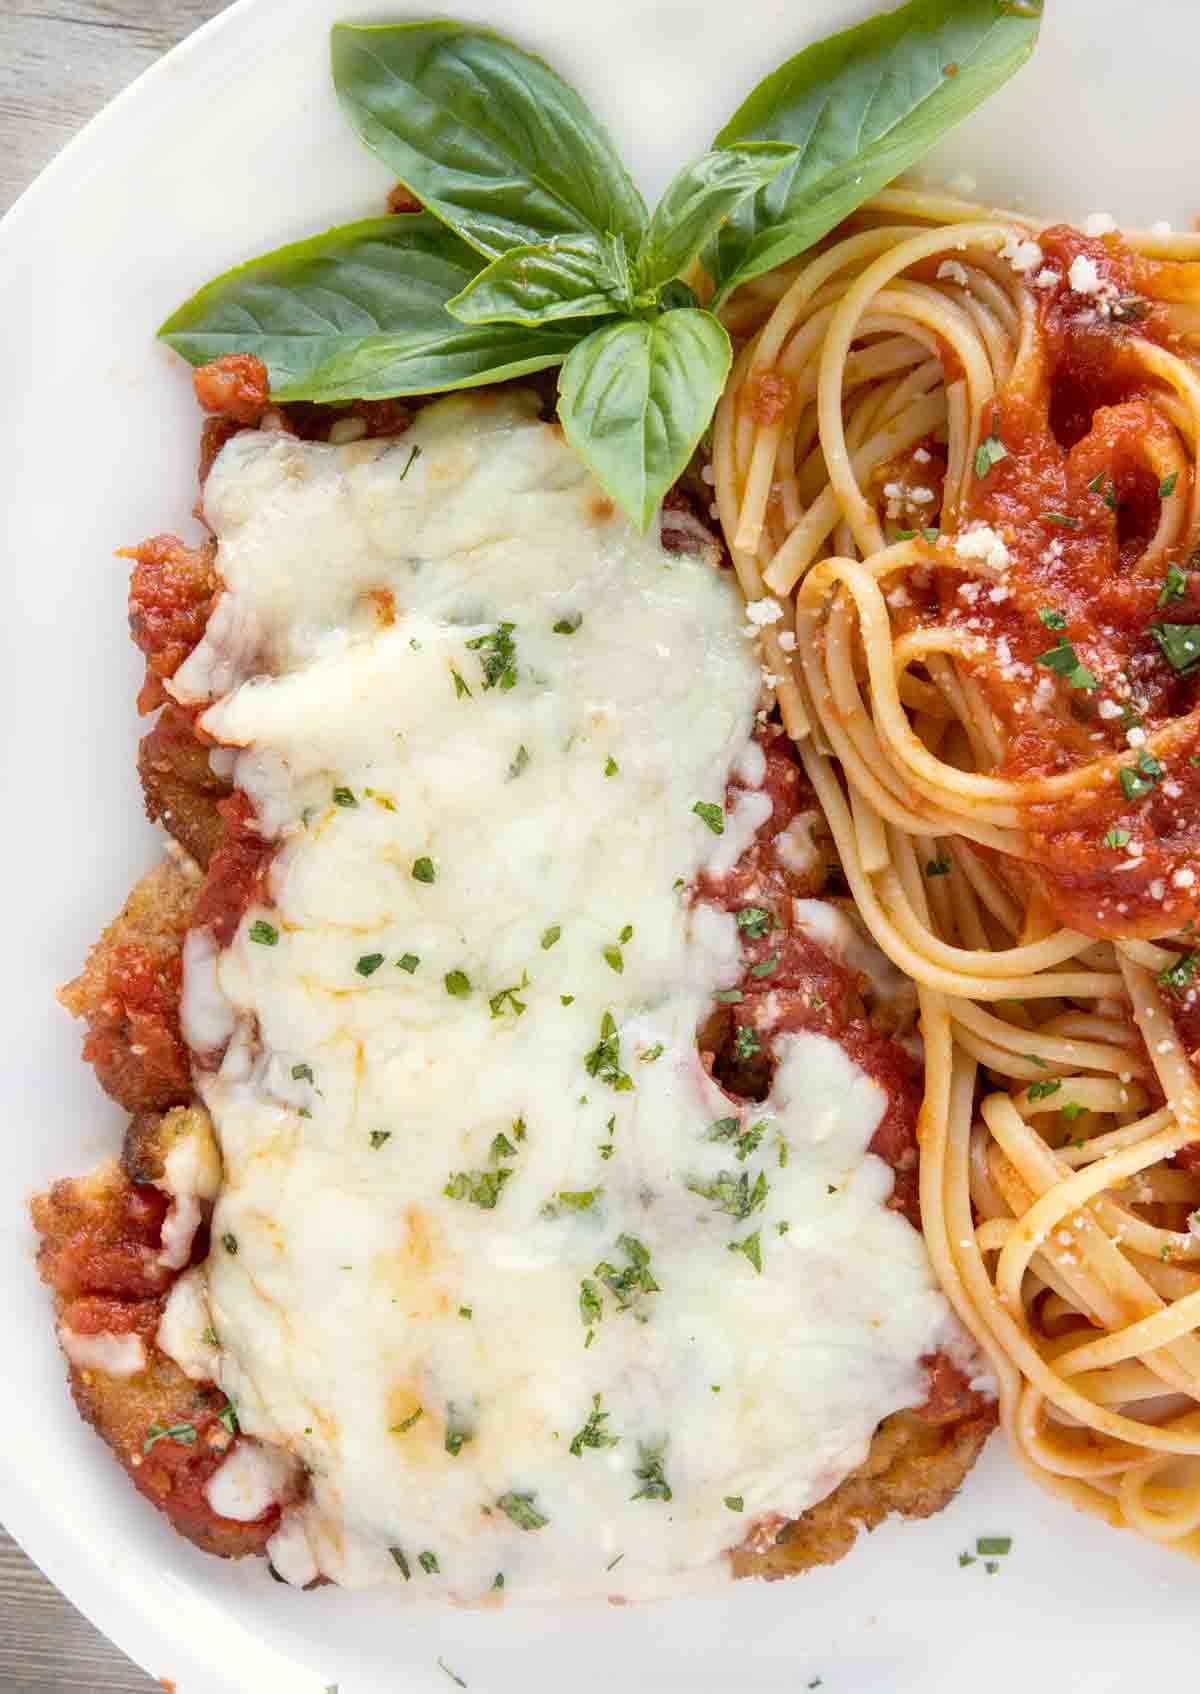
478	1260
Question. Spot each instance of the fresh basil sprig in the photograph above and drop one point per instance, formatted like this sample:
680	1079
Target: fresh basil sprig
859	108
536	249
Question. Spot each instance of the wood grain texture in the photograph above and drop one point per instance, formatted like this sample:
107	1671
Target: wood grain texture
60	62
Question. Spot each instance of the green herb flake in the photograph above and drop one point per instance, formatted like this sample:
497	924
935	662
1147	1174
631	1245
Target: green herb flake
423	870
729	996
766	967
1137	781
1167	486
1072	1110
990	450
379	1136
409	463
550	936
751	1248
649	1472
182	1434
1051	619
229	1242
452	1674
1179	644
732	1192
1117	838
1061	519
746	1043
735	1502
993	1546
604	1060
369	964
629	1283
429	1564
403	1428
593	1433
457	983
264	933
941	866
302	1073
499	657
568	625
611	767
1175	587
407	962
498	1579
506	998
1063	660
652	1053
753	921
743	1141
210	1337
591	1307
344	797
965	1559
1177	978
613	958
518	762
480	1188
1043	1090
521	1510
712	815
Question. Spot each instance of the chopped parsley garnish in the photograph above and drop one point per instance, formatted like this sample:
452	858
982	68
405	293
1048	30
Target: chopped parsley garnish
407	962
229	1242
743	1141
567	999
443	1666
574	1199
746	1043
713	816
403	1428
991	1546
409	463
461	689
521	1509
1177	978
766	967
401	1563
990	450
611	767
604	1060
423	870
499	658
550	936
751	1247
210	1337
593	1433
1175	587
302	1073
941	866
183	1434
729	996
613	958
613	1563
965	1559
481	1188
753	921
496	1005
1072	1110
1179	644
628	1283
1117	838
1167	486
1043	1090
735	1502
591	1307
518	762
428	1563
379	1136
1061	519
457	983
501	1148
264	933
1063	660
498	1581
732	1192
344	797
930	535
652	1053
1097	482
369	964
650	1472
568	625
466	1312
1136	782
1052	619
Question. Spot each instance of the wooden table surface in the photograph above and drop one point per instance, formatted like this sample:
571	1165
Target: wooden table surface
60	61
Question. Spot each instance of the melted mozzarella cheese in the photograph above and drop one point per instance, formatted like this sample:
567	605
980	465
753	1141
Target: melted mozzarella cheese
469	1180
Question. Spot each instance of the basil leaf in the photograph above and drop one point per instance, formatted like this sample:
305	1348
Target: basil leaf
307	302
860	107
486	136
573	277
698	200
635	398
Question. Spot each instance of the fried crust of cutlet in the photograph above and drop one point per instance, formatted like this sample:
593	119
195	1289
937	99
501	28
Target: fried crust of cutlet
129	990
913	1467
179	787
98	1253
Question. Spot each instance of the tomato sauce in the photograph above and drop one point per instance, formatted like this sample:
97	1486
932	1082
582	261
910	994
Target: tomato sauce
172	591
1089	459
237	872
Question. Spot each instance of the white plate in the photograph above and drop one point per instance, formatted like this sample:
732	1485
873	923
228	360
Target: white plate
232	145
